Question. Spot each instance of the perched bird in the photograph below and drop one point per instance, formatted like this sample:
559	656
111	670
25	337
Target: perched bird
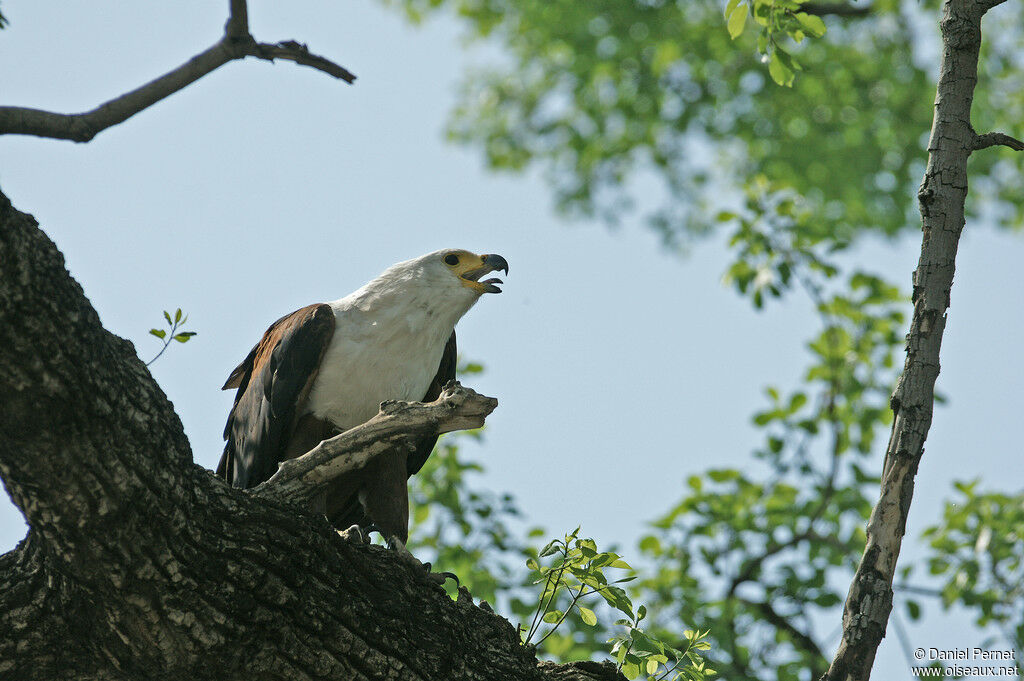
326	368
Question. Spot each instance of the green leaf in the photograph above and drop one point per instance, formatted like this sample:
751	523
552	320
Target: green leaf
552	616
159	333
779	72
184	336
549	548
177	315
167	316
811	24
737	20
914	610
588	616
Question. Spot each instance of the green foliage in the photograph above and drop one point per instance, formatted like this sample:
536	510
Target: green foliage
579	566
977	551
777	19
776	236
172	332
575	572
615	96
751	557
465	530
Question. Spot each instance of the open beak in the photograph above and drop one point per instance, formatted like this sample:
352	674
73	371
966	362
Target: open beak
488	263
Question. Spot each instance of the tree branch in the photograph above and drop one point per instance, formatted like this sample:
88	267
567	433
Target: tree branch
291	50
238	21
991	139
235	44
941	199
835	9
783	624
457	408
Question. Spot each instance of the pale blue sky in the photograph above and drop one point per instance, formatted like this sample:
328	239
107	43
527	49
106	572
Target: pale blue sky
620	369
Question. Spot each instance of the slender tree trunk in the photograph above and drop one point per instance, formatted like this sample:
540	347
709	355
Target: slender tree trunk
941	199
141	565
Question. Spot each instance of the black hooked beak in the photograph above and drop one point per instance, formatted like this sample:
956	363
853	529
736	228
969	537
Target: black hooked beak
491	263
496	262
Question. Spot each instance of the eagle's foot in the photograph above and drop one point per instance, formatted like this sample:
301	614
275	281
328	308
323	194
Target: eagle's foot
355	535
439	578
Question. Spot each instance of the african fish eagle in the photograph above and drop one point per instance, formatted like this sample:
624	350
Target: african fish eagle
327	367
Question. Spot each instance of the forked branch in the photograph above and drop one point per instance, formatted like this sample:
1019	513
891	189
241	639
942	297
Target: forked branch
236	43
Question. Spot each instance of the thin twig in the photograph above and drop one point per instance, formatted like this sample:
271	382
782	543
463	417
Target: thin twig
554	590
540	606
836	9
167	340
991	139
235	44
565	614
773	617
291	50
919	590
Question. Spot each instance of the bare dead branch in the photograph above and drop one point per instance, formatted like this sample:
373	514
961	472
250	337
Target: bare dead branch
300	479
838	9
300	54
83	127
236	44
991	139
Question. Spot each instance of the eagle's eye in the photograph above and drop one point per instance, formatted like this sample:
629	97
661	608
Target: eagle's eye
451	259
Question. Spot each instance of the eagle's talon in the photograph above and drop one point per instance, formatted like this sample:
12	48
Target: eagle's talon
439	578
355	535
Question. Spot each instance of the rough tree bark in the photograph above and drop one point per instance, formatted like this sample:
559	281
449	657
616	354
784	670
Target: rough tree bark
141	565
941	199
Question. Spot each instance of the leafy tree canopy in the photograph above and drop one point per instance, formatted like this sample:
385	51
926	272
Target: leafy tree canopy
606	92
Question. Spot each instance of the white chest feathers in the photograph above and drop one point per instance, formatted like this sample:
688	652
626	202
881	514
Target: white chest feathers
380	350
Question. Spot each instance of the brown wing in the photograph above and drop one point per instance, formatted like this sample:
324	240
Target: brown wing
273	382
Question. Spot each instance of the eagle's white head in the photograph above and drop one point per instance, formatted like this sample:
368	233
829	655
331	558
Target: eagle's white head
445	283
451	275
450	269
391	334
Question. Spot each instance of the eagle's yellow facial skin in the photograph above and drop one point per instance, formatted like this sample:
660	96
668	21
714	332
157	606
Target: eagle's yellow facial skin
469	267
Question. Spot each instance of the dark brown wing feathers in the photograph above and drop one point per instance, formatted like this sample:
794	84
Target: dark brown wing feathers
273	382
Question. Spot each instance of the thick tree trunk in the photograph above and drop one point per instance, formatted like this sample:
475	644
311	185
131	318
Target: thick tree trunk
140	564
941	197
